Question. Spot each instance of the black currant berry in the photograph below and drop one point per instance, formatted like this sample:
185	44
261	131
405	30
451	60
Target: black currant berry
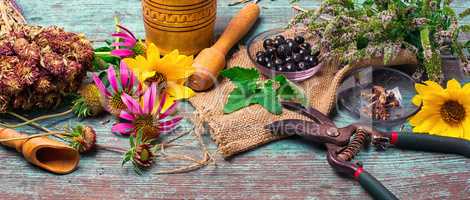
289	59
291	43
297	57
270	65
271	51
268	43
296	49
301	66
261	60
305	46
283	51
280	37
278	61
267	59
280	68
309	59
299	39
278	42
290	67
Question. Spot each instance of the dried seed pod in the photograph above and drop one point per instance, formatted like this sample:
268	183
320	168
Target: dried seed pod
143	156
89	102
82	138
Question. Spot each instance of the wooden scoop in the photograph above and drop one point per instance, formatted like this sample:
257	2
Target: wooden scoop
211	61
43	152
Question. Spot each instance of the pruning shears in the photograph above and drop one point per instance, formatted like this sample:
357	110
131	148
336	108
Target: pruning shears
343	144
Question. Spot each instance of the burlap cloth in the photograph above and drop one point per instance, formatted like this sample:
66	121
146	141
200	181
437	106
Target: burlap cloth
244	129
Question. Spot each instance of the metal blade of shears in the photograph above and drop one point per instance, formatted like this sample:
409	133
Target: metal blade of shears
310	112
309	130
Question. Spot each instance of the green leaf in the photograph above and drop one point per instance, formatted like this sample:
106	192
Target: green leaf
465	28
109	42
103	49
465	13
139	137
238	74
250	90
131	141
467	44
127	158
236	101
290	91
268	98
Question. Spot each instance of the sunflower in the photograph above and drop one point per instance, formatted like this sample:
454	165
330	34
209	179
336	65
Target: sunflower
169	72
444	112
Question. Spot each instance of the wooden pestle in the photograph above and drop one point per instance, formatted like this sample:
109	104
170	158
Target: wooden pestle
211	61
43	152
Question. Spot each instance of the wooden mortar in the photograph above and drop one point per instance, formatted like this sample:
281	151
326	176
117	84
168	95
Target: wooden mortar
43	152
186	25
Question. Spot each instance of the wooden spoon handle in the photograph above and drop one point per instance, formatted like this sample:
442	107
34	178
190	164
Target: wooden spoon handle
6	133
238	27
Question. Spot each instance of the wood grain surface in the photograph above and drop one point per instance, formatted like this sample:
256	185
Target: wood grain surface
288	169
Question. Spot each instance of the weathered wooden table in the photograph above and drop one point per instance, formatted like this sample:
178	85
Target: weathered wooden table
288	169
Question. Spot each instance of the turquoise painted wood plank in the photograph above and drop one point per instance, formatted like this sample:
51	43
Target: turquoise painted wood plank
288	169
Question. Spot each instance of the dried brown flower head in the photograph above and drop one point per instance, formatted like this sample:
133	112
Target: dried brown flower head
143	155
82	138
39	65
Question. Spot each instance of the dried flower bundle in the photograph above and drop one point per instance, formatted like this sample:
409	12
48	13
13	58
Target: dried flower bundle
10	17
375	28
38	66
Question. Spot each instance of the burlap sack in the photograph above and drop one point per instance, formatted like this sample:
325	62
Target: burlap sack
243	130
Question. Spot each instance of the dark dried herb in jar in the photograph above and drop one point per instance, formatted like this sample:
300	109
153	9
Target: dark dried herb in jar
380	103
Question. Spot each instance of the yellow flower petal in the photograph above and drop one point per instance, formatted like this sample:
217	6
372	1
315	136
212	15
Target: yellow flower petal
417	100
153	55
422	115
466	88
434	85
131	63
453	85
420	88
440	127
178	91
466	127
455	131
427	125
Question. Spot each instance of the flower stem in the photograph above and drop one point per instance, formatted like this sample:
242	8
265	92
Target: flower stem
61	136
103	53
32	136
34	124
111	148
117	22
27	122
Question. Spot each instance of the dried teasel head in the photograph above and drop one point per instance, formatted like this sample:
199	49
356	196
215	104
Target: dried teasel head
89	102
82	138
